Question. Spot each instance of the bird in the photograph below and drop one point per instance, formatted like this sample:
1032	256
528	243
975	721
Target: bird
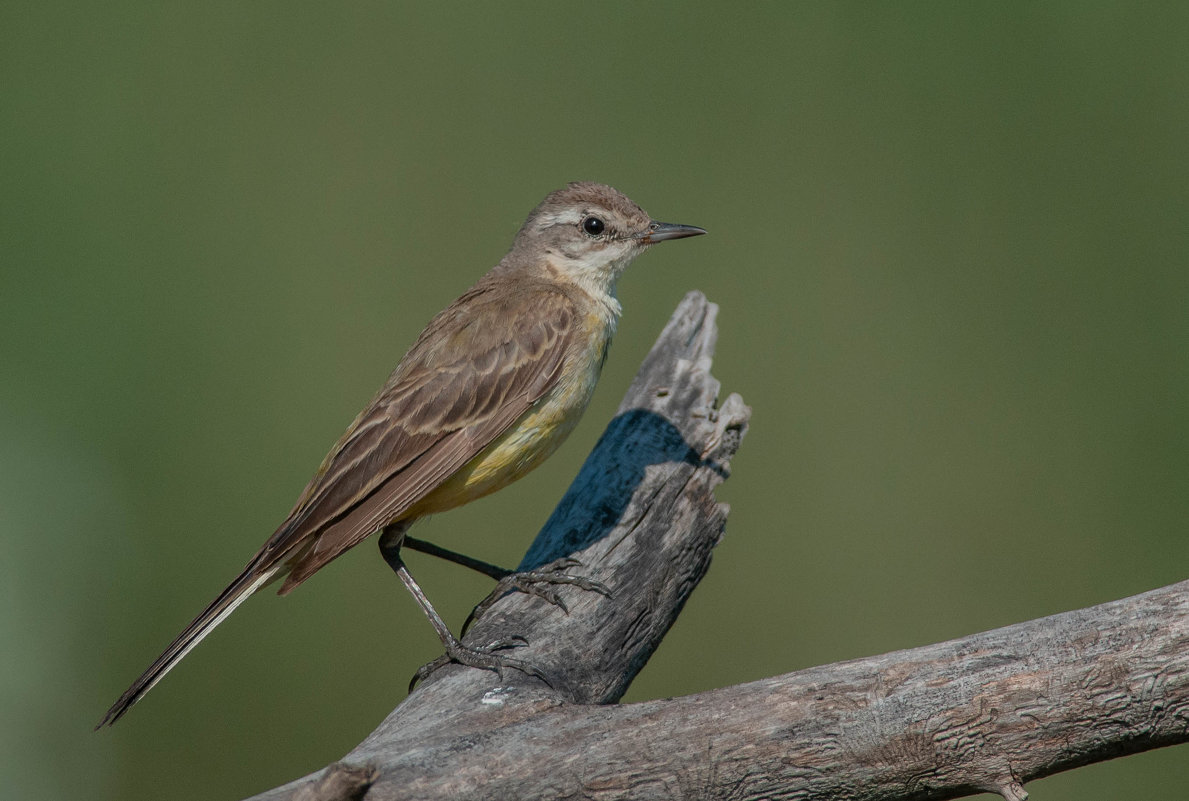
489	389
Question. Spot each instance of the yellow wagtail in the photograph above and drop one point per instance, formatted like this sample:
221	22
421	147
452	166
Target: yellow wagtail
490	389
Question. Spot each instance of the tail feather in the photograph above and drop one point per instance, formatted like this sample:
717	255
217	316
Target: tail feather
251	579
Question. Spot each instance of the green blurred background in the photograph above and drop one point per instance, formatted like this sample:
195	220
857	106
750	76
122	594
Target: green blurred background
949	243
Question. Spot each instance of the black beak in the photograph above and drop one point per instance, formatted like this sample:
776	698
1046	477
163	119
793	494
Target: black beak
659	232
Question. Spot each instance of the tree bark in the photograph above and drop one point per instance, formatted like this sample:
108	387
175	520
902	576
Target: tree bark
982	713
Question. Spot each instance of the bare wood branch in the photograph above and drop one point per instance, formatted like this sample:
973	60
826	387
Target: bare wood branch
982	713
338	782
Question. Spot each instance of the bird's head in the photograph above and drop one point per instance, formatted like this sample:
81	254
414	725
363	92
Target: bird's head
589	233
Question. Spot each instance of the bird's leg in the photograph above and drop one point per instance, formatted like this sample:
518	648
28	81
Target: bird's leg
478	565
540	583
390	542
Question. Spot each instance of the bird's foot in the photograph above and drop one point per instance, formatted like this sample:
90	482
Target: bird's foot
542	583
482	657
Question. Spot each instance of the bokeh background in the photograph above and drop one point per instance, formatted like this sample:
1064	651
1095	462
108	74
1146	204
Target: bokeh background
949	242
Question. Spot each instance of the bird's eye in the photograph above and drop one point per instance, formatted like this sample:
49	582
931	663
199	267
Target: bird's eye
593	226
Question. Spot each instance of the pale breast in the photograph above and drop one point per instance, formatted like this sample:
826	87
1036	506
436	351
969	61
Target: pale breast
538	432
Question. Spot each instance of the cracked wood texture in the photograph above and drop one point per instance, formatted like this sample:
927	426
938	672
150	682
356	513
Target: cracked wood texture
982	713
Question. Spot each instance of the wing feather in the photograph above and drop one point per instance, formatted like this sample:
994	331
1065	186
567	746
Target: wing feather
489	361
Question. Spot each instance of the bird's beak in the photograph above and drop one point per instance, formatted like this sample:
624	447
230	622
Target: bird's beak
659	232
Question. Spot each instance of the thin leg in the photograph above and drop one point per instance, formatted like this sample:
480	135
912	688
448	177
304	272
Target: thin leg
435	619
390	542
486	568
540	583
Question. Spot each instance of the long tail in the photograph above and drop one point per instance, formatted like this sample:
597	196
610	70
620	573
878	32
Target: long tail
251	579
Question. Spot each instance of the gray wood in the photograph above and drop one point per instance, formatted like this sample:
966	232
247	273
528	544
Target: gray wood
985	712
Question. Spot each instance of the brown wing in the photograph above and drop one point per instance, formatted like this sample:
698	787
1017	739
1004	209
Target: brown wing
476	368
479	366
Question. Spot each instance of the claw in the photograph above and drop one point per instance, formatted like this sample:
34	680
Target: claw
482	657
537	583
427	669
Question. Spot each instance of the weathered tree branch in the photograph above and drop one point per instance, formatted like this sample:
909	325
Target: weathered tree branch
986	712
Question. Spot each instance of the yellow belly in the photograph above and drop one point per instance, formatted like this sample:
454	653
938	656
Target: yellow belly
528	442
